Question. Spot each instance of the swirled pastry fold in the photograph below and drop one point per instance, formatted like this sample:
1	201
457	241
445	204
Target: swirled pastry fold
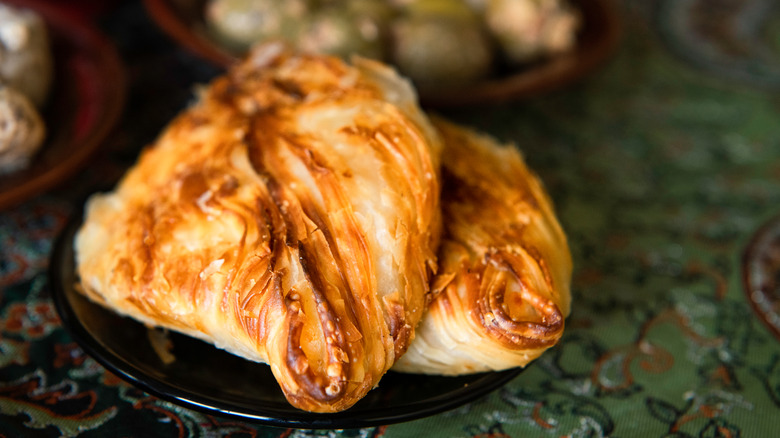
290	216
504	264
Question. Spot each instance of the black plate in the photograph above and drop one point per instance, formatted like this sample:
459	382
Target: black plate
211	380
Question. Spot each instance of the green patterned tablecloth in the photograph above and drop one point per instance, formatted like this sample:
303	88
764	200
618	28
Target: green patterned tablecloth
663	165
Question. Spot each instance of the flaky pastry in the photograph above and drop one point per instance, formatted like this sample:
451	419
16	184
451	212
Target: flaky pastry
504	264
290	217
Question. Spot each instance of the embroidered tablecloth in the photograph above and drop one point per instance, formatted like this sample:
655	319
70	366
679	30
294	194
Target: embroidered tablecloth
664	166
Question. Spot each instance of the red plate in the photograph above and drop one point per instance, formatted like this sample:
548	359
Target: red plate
183	21
85	102
761	274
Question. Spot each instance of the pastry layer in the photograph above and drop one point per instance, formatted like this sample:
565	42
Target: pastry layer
290	216
502	288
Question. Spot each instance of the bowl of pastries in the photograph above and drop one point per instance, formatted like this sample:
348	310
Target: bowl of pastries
457	52
61	91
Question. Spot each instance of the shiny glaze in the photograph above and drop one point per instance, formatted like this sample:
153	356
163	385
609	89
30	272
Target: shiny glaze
290	217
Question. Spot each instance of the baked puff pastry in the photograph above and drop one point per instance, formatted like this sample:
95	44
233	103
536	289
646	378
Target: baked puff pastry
505	267
290	217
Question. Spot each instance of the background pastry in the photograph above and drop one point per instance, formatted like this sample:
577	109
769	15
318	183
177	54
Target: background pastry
290	216
505	267
26	62
21	130
26	70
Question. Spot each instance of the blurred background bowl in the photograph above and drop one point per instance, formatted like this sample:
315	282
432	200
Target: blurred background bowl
597	39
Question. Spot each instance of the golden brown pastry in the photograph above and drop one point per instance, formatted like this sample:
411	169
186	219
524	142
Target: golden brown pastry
504	268
291	217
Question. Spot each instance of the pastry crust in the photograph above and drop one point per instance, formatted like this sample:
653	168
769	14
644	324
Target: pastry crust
290	217
505	267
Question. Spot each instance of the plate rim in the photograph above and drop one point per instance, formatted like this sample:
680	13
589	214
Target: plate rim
111	108
750	253
294	418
